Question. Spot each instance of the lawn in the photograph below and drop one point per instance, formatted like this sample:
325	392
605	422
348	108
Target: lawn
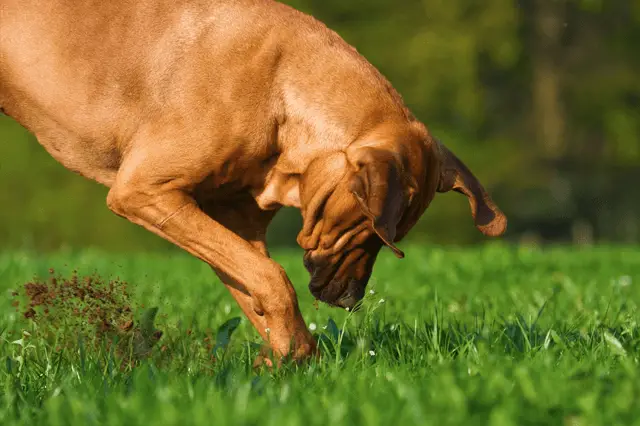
495	335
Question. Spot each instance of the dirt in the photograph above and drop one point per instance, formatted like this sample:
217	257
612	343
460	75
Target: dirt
98	312
65	312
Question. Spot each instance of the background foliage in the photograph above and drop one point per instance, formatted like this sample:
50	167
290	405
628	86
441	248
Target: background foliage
541	98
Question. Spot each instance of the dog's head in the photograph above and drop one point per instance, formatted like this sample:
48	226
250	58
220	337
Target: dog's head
371	195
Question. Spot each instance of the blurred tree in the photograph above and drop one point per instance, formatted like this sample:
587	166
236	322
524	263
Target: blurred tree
541	99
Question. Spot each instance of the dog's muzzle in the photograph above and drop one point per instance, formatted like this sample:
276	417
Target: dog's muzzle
339	294
344	292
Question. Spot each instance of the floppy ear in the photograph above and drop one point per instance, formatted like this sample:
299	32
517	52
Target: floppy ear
379	188
457	177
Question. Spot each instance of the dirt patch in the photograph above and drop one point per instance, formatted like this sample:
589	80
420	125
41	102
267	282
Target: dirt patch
89	316
88	311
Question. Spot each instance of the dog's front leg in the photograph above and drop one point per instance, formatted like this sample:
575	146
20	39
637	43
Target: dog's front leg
258	283
243	216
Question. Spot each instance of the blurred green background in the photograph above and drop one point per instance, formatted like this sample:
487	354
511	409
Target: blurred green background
540	98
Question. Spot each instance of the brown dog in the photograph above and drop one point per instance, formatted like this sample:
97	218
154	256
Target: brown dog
204	117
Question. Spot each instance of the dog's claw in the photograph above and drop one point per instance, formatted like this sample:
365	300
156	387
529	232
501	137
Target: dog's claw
266	358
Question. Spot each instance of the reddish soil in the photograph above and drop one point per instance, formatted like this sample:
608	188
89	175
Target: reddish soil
65	309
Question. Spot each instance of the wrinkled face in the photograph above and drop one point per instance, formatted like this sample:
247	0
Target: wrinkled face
342	263
341	243
355	202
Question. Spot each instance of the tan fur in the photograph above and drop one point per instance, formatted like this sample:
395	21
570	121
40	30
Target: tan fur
203	117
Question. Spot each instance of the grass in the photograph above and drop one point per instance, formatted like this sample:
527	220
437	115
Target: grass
495	335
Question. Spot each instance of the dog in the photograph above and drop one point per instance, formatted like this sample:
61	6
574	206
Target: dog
204	117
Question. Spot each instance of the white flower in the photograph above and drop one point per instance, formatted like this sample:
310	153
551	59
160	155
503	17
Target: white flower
381	301
267	330
372	353
624	281
312	326
372	292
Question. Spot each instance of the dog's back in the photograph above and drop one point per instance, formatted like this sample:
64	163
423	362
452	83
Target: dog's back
93	72
95	55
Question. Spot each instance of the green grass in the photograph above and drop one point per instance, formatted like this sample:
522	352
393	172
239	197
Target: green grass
488	336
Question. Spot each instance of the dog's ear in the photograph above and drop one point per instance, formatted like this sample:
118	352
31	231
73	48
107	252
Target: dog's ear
381	189
488	218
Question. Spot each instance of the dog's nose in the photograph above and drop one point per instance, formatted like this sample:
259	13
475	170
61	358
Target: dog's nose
347	301
351	298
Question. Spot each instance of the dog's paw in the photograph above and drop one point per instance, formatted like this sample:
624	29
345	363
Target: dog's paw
264	359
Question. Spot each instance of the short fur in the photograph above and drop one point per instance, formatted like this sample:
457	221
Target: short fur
204	117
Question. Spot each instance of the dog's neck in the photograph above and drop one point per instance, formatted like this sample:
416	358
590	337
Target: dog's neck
281	185
344	102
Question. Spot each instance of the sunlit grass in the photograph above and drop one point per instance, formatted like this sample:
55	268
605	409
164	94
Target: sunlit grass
494	335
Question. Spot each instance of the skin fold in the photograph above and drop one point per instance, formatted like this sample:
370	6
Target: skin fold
205	117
